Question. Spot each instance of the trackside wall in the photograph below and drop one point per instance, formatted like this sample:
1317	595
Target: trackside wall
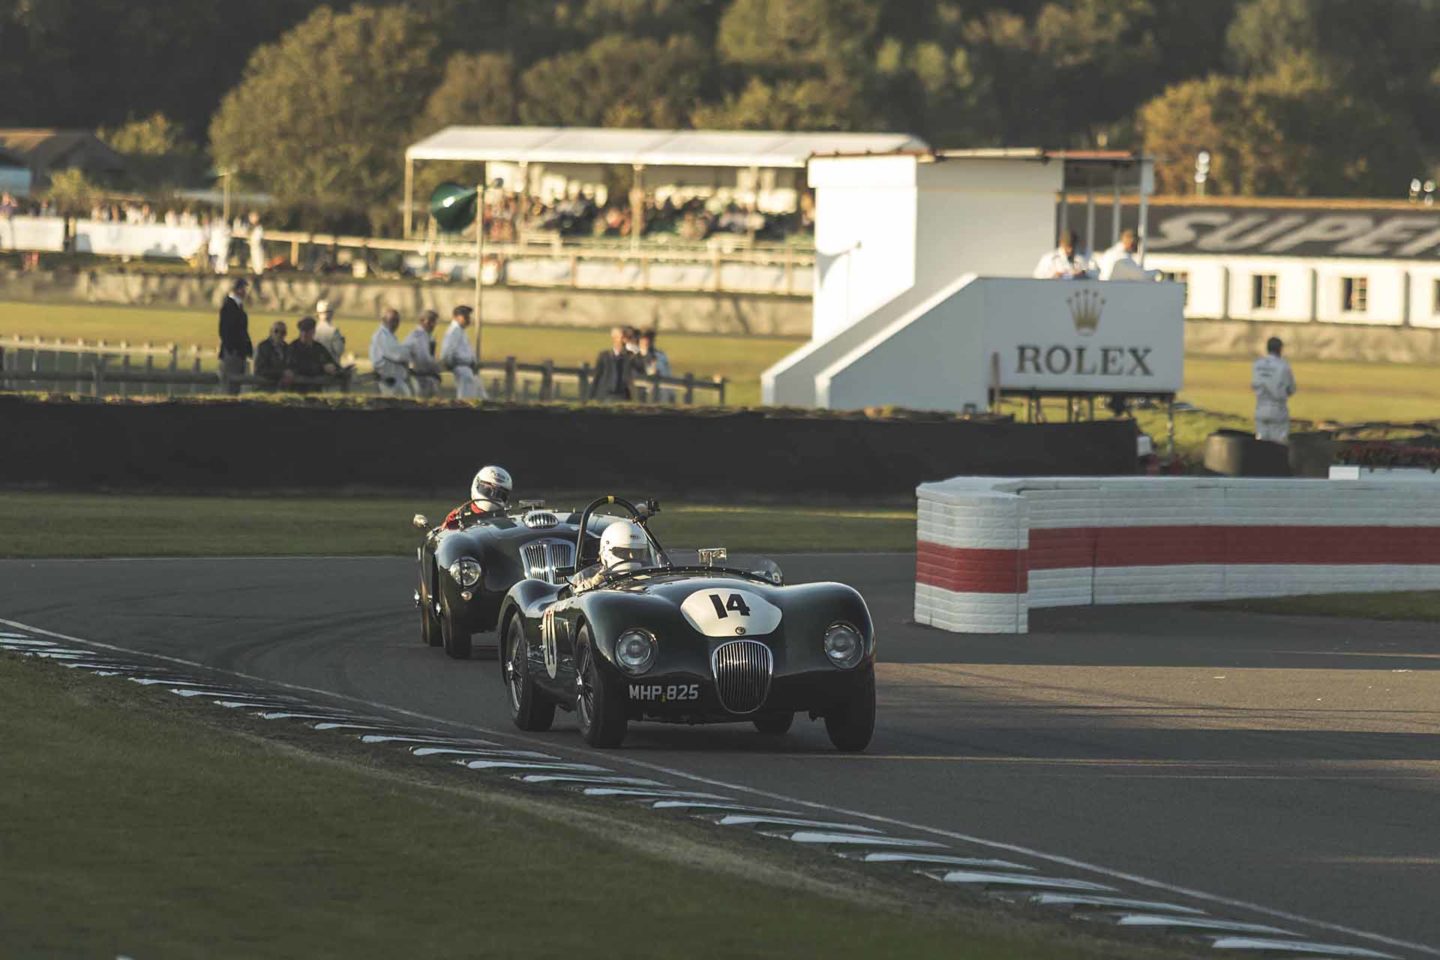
988	550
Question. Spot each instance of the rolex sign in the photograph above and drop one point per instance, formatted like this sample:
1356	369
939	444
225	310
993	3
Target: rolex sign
1085	336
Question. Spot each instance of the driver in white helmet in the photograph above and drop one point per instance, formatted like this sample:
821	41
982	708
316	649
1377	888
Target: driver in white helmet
624	548
489	497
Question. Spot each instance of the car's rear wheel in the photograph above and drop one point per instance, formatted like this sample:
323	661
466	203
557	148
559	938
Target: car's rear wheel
456	641
529	708
853	724
774	724
599	698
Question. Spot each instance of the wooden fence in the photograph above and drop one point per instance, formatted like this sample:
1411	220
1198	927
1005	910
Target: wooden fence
99	369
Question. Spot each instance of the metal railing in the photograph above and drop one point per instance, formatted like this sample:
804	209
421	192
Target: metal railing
99	369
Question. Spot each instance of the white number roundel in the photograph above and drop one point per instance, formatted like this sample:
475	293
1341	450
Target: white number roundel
730	613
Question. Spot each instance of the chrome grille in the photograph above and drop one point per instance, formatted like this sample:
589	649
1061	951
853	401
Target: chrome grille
742	674
541	557
540	519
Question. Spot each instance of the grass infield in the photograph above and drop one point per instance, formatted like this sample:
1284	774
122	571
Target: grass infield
1329	390
1423	605
99	525
131	825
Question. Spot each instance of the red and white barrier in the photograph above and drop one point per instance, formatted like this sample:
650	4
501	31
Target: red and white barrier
990	549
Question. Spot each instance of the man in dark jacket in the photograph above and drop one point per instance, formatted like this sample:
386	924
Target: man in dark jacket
307	358
614	370
235	345
270	356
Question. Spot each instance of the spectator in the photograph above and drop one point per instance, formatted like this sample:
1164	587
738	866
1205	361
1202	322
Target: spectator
235	345
614	374
327	333
270	363
257	247
1274	385
457	356
308	359
1120	263
220	245
388	357
420	345
9	206
654	363
1064	263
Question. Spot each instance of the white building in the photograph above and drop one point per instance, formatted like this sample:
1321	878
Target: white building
923	297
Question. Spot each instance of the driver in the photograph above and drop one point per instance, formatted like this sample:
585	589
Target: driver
624	548
489	496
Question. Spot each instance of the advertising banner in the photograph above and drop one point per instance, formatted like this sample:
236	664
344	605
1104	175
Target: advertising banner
138	239
1083	336
32	233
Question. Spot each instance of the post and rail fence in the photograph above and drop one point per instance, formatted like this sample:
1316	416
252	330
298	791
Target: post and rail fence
98	369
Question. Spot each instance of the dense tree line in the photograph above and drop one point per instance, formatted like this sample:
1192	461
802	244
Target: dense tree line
315	103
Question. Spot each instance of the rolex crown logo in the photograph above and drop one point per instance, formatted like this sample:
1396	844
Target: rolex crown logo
1085	309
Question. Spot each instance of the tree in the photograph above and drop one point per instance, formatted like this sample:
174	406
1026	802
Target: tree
773	37
813	104
1290	133
322	116
617	81
157	151
478	88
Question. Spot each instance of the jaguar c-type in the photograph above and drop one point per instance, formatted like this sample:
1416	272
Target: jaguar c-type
685	638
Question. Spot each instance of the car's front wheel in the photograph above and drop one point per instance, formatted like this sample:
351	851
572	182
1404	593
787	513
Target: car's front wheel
529	708
774	724
599	697
852	724
456	641
429	623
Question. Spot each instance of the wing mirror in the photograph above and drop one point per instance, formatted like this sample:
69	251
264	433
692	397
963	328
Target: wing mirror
419	522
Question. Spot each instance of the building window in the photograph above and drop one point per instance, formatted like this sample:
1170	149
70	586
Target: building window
1264	288
1183	276
1435	303
1354	294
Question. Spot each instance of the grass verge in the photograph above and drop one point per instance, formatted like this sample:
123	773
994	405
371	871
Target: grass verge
133	826
1422	605
97	525
741	359
1344	391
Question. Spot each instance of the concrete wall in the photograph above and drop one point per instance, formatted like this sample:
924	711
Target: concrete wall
990	550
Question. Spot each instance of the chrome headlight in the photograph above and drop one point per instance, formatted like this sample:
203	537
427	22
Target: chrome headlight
466	572
844	645
635	651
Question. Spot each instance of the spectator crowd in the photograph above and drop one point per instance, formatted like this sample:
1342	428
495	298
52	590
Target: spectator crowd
409	367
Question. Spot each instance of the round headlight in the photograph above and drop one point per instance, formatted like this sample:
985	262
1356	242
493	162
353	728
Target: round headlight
844	645
466	572
635	651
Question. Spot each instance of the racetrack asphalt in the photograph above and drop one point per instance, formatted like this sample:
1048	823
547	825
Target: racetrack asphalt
1287	768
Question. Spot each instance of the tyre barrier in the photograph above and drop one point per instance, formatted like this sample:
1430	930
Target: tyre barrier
988	549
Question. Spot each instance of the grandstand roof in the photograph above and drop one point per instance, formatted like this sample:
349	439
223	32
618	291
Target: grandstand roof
659	148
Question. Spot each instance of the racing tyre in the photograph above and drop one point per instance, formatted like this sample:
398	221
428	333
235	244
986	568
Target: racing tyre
529	708
774	724
456	642
599	698
429	625
853	724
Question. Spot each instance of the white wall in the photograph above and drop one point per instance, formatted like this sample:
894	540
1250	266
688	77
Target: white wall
1309	288
938	356
919	226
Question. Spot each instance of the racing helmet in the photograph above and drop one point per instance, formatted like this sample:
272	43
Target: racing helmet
624	548
490	490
